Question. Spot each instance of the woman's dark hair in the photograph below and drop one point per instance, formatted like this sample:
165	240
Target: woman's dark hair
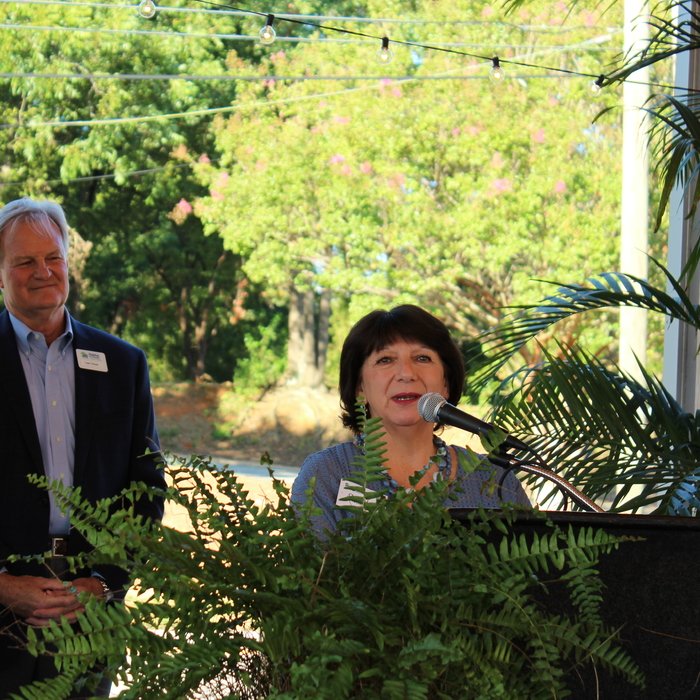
380	328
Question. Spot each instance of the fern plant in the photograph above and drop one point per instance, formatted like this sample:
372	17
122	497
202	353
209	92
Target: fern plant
404	602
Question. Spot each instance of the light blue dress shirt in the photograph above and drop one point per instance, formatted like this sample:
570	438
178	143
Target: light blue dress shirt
50	375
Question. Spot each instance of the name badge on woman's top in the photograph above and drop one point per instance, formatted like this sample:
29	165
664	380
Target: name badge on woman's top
349	493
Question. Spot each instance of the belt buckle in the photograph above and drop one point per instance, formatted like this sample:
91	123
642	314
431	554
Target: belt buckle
59	546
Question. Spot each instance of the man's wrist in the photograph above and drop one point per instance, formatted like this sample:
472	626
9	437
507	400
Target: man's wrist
107	594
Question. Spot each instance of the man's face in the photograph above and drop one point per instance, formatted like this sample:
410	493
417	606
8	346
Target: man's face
33	271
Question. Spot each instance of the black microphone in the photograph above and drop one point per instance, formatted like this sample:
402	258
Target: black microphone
434	408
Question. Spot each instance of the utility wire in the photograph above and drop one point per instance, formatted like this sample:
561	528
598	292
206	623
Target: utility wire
376	85
267	78
319	18
595	43
104	176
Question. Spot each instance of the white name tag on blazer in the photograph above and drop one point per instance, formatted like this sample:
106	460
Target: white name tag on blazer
92	360
348	490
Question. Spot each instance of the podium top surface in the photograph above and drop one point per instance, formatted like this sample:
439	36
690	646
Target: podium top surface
616	521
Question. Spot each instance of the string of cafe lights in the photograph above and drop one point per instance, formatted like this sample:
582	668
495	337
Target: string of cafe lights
148	9
588	44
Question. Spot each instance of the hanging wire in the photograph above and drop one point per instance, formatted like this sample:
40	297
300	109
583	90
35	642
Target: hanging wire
593	44
302	20
544	28
268	78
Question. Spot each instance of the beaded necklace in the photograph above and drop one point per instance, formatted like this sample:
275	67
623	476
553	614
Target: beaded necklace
441	459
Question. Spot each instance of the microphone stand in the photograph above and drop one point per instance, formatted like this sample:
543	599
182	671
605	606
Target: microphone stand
510	463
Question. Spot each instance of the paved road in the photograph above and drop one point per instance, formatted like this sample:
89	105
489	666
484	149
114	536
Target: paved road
252	469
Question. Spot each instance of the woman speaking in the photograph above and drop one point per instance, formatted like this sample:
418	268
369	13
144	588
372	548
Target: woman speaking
391	359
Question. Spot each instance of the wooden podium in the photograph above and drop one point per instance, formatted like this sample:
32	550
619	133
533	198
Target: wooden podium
652	595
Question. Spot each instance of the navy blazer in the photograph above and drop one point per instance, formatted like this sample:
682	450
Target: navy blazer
114	428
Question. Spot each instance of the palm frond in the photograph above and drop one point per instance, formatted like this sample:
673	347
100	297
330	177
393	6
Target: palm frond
605	432
608	290
673	29
675	139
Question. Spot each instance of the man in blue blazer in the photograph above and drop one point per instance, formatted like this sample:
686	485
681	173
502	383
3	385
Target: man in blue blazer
76	406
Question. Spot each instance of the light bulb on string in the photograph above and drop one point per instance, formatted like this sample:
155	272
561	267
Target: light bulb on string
496	73
385	54
267	33
147	9
597	84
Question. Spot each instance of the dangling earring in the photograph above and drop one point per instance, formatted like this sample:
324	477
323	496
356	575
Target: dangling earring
362	405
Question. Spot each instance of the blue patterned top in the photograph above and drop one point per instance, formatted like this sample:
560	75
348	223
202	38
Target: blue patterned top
334	464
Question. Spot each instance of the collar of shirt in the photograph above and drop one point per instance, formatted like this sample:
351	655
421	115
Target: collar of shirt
24	333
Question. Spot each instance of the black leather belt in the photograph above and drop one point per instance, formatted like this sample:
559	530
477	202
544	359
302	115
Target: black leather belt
58	546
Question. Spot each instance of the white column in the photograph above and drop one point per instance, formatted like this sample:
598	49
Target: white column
635	188
681	373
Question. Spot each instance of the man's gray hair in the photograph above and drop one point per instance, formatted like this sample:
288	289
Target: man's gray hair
39	212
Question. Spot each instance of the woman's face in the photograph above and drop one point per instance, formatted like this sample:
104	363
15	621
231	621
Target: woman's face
394	378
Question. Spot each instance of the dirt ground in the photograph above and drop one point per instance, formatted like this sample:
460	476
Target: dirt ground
208	419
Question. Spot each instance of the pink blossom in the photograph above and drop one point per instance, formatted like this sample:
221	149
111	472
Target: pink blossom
184	206
204	158
474	130
278	56
502	184
366	167
588	18
341	120
397	180
487	11
396	92
216	195
222	180
337	158
456	131
497	160
538	136
269	84
346	170
560	187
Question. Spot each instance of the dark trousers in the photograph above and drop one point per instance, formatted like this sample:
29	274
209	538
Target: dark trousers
18	667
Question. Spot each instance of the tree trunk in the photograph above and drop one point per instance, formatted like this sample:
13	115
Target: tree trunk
309	315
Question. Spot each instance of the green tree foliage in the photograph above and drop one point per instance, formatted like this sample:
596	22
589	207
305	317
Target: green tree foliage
455	193
101	146
321	198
